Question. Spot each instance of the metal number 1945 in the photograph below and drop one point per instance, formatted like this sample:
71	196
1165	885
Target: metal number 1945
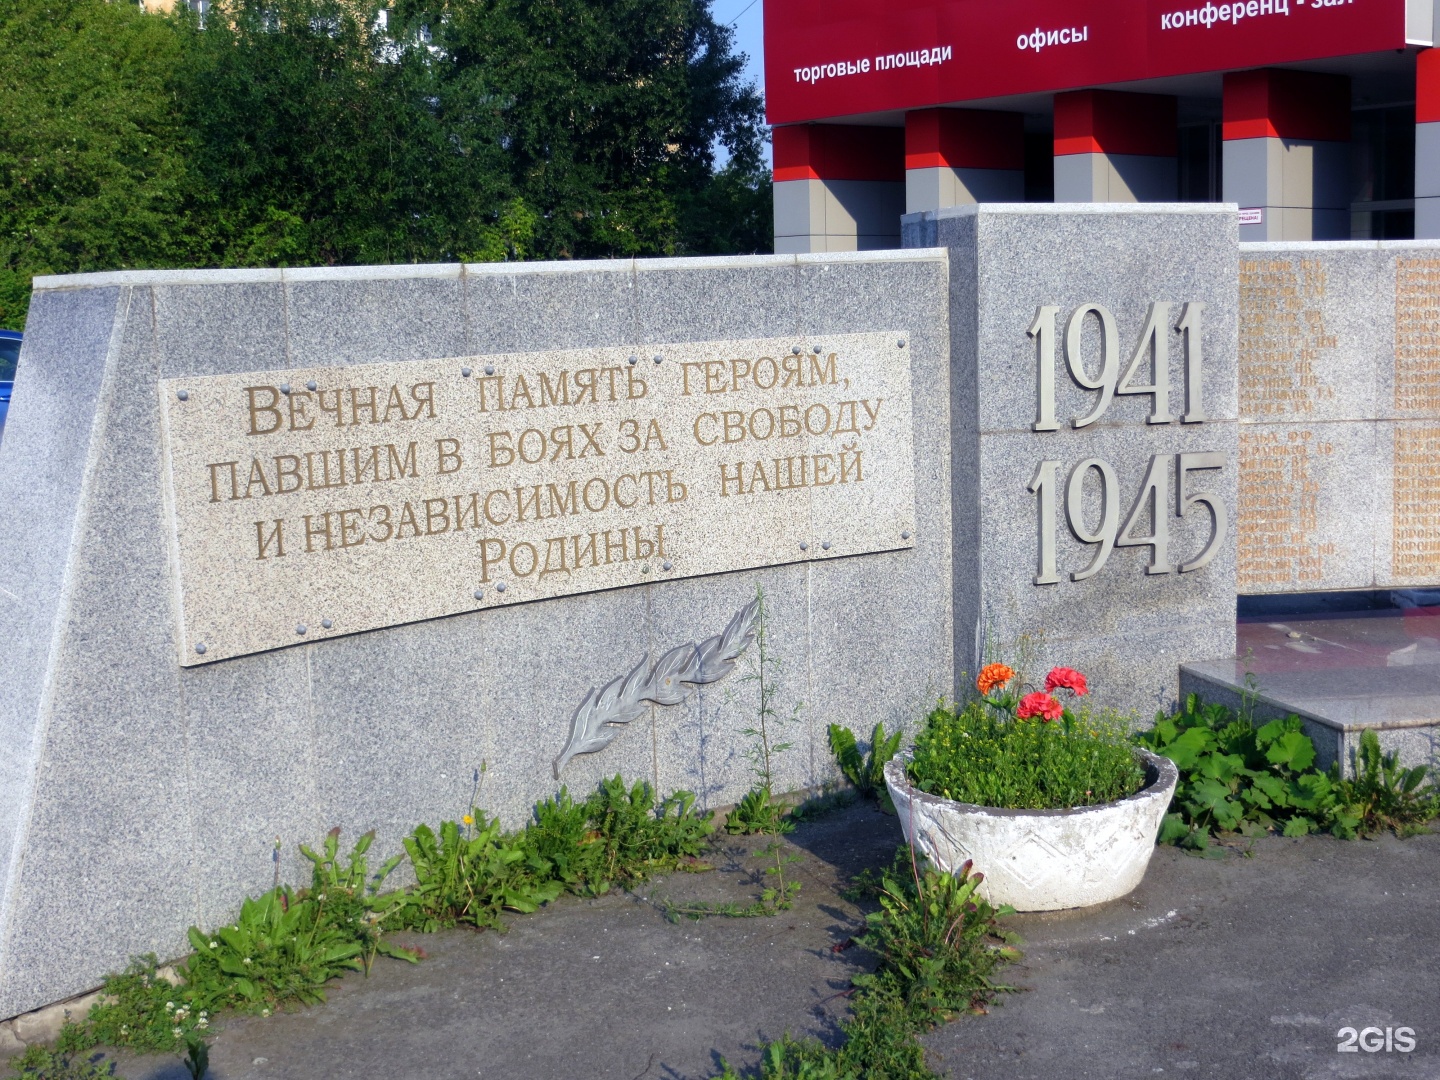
1108	534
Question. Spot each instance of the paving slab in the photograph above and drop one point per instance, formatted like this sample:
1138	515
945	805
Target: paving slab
1341	672
1239	967
1244	968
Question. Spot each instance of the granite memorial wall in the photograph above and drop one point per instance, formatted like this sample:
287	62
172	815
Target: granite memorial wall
1339	382
1094	430
290	550
295	549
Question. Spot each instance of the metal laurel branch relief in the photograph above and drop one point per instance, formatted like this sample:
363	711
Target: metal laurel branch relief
671	680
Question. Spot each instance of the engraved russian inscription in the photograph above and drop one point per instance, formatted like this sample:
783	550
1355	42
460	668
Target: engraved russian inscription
1415	547
1417	336
387	493
1279	498
1415	540
1282	336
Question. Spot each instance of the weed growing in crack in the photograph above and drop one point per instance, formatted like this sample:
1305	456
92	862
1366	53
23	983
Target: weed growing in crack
197	1058
938	943
286	945
42	1063
866	771
759	813
1385	795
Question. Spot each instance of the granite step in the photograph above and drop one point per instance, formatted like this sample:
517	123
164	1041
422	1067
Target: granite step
1342	673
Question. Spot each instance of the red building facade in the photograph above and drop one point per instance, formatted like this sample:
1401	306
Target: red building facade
1321	118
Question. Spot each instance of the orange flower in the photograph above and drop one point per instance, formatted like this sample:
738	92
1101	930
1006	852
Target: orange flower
1041	705
1064	678
994	677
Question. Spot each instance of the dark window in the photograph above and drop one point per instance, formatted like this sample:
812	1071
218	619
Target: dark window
9	353
1039	166
1382	173
1200	154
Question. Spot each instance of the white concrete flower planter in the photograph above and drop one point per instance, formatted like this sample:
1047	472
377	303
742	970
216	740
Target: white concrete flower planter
1041	860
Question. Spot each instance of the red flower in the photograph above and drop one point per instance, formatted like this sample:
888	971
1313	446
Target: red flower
1064	678
1041	705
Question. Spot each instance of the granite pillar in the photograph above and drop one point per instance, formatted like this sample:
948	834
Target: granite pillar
1093	440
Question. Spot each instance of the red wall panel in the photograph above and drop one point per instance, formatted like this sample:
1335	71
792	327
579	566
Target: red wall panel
1123	40
1270	104
1107	122
1427	87
839	152
964	139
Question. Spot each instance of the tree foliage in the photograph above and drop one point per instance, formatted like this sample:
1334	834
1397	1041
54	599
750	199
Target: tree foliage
93	170
295	132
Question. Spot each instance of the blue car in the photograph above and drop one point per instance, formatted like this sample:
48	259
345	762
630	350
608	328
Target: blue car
9	354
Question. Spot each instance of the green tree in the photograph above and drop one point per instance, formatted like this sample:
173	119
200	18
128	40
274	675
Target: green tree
327	139
470	128
298	132
732	214
93	161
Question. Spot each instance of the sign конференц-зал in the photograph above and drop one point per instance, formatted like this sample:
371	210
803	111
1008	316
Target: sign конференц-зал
316	502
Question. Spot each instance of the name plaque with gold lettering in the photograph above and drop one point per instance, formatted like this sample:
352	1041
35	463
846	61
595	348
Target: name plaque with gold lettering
316	502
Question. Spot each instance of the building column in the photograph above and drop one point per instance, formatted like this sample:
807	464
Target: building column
1427	145
959	156
1115	147
838	187
1287	154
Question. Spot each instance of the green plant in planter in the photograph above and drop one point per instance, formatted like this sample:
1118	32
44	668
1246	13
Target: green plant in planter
1020	751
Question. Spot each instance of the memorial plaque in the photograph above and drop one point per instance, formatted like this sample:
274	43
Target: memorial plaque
1285	348
1415	545
1281	543
1417	336
1284	338
1415	541
324	501
1315	380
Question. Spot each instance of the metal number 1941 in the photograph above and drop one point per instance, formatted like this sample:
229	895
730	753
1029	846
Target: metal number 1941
1154	342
